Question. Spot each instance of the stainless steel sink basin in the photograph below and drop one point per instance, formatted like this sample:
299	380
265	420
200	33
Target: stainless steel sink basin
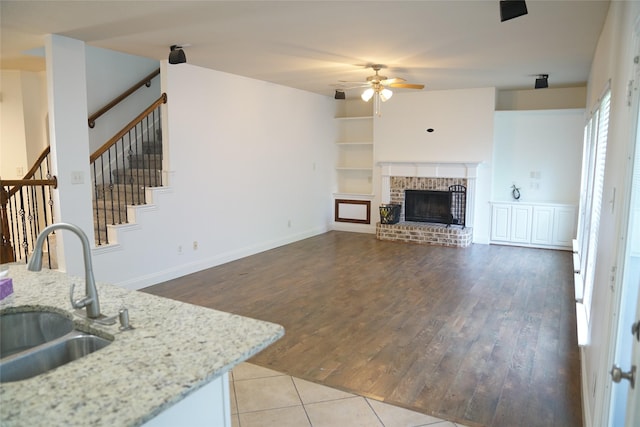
32	343
50	355
21	331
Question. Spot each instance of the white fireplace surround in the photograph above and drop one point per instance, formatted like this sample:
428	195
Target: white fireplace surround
467	170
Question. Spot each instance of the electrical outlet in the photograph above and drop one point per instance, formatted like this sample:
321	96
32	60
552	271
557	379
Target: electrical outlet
180	249
195	245
289	223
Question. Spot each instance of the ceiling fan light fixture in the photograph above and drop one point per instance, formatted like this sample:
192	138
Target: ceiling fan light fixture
367	94
385	94
177	55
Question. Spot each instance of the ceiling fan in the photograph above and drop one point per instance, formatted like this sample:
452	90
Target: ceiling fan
378	87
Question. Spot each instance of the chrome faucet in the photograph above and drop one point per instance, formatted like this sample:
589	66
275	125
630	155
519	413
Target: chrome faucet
90	300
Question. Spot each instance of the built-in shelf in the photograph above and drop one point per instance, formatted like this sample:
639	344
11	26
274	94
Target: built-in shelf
354	163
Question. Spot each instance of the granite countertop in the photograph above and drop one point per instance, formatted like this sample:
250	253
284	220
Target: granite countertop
173	350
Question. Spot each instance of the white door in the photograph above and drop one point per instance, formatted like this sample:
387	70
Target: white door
631	278
632	418
625	397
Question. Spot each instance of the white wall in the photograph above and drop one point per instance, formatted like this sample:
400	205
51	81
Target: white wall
463	131
249	168
109	74
612	62
540	152
12	136
34	90
23	121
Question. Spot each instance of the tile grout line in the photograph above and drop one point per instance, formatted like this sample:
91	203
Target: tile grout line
374	411
304	408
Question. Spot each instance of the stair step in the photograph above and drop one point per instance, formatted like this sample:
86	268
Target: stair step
123	193
145	161
152	147
149	177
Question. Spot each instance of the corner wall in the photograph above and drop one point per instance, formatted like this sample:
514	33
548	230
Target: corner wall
249	167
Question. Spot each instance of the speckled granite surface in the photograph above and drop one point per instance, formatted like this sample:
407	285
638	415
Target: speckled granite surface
174	349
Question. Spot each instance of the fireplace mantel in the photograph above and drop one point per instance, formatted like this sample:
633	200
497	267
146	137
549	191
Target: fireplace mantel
431	169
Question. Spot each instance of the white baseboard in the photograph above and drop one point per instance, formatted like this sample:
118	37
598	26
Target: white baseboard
140	282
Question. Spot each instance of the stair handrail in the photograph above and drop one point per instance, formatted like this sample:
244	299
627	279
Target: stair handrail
7	252
28	177
144	82
105	147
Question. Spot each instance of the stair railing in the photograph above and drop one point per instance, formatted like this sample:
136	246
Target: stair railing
144	82
26	207
124	166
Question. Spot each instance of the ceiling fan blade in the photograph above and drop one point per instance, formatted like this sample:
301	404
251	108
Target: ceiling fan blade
395	80
407	86
349	86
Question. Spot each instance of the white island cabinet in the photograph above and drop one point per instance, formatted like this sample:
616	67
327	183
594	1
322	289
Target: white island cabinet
540	225
210	406
171	369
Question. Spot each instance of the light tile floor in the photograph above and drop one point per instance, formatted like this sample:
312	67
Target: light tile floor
261	397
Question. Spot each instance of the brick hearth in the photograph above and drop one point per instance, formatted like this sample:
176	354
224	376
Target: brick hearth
425	233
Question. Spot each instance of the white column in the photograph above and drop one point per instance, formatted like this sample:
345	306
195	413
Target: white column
69	137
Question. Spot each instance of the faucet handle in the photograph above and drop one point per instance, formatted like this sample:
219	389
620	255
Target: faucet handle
81	303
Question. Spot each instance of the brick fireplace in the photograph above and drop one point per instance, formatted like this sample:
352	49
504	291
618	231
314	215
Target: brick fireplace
400	176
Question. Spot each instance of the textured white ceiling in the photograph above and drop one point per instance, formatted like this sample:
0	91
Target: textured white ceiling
312	45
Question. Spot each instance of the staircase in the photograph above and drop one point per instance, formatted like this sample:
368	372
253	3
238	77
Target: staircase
127	188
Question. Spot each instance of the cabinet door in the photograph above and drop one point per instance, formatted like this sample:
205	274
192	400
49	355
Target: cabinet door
521	224
543	221
501	222
564	226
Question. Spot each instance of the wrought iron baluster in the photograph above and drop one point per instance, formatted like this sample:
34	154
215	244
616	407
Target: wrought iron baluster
96	203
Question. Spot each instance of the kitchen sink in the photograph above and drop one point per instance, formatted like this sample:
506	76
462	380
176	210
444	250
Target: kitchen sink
48	356
33	343
21	331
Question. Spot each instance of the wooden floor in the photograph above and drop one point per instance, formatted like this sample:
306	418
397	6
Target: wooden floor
483	335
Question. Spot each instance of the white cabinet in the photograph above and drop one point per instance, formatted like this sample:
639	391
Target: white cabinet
564	226
501	223
520	223
543	225
208	406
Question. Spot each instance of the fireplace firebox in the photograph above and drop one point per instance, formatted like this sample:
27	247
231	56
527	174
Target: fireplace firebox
428	206
443	207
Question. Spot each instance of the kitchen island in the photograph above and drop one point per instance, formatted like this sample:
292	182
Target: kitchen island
176	356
